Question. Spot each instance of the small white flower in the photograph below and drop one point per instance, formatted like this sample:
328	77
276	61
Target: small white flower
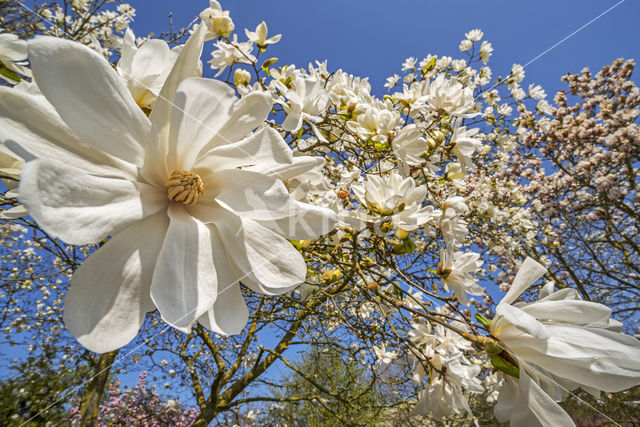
474	35
536	92
456	270
383	356
259	36
517	73
392	81
485	51
465	45
217	21
449	96
227	54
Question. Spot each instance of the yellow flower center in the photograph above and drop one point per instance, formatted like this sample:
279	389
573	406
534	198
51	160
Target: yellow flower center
184	187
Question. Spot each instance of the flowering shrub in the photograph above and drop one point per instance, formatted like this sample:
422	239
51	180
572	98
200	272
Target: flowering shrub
139	405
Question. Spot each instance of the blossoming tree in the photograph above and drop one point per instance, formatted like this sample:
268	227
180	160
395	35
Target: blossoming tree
228	220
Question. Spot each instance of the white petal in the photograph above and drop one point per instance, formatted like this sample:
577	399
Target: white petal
568	311
249	112
202	107
229	314
184	281
529	272
14	212
90	97
598	358
80	208
269	263
109	294
186	66
262	151
249	194
304	221
29	121
511	317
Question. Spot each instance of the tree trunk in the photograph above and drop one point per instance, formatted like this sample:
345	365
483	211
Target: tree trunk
90	404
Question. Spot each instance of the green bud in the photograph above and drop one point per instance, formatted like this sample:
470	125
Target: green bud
504	366
483	320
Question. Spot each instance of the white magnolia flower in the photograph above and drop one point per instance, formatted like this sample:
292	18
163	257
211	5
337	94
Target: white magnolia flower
190	202
445	395
217	21
144	70
388	194
450	97
474	35
536	92
409	64
307	100
559	343
259	36
392	81
465	45
410	146
456	270
13	58
485	51
517	73
397	196
463	144
383	356
227	54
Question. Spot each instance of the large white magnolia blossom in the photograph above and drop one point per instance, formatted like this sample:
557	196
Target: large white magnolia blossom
189	198
559	343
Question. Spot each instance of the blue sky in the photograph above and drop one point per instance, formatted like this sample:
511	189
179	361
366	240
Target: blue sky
372	38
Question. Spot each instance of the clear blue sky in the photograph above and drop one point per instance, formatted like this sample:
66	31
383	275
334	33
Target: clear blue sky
372	38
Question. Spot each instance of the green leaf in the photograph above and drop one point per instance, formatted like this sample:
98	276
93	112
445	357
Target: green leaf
409	245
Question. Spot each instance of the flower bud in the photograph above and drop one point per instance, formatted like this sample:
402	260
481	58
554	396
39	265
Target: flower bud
222	25
241	77
269	62
402	234
330	276
373	286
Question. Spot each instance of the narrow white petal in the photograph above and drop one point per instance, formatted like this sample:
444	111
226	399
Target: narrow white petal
109	294
529	272
155	167
14	212
184	283
229	314
269	263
